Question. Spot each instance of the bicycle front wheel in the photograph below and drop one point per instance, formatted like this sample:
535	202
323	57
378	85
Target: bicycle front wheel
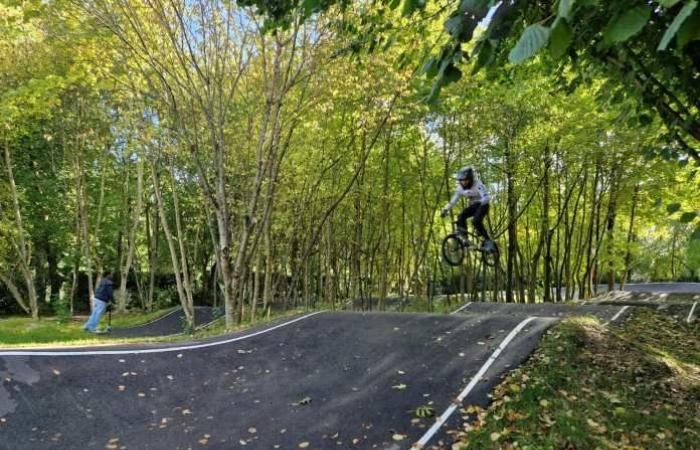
453	250
490	258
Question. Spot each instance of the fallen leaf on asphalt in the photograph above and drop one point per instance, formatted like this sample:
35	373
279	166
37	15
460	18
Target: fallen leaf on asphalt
398	437
121	388
400	386
303	401
303	444
56	372
252	430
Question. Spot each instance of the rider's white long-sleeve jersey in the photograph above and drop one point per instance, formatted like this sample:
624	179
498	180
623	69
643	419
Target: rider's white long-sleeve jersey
477	193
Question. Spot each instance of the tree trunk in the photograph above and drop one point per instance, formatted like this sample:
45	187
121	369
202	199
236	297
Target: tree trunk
22	247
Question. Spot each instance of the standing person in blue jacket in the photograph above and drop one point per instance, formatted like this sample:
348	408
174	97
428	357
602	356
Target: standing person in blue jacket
103	299
478	198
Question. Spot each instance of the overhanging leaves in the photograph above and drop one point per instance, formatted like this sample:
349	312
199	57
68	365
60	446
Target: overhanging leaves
684	13
560	39
627	25
673	207
532	40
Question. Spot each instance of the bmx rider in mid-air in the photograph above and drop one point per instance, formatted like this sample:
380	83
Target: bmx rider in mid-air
478	198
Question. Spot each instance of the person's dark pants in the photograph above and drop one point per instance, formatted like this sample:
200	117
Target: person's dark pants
478	211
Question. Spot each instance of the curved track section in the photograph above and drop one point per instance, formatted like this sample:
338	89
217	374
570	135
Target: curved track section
168	324
332	380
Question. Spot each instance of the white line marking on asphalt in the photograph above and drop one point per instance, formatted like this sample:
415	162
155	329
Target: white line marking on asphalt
475	379
460	308
153	350
616	316
692	310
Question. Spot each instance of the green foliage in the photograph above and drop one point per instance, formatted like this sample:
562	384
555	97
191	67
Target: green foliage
561	38
532	40
678	21
627	24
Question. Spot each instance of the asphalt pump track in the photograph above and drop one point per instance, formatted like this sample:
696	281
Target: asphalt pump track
319	381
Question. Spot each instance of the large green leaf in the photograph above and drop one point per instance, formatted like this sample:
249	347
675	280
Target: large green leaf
451	74
532	40
411	6
668	3
688	217
627	25
689	31
561	38
696	233
673	207
564	9
487	52
431	67
680	18
473	6
454	26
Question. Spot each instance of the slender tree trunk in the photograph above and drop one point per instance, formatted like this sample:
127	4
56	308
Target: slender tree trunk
630	237
22	247
131	237
169	238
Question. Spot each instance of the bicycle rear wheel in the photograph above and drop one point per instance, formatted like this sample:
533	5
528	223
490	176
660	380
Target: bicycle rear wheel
453	250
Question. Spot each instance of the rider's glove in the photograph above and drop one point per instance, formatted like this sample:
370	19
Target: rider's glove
444	212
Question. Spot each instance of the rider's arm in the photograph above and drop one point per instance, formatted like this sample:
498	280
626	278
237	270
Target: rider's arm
485	197
453	201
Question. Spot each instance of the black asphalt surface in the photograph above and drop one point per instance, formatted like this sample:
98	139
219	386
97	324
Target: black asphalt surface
557	310
166	325
333	380
676	288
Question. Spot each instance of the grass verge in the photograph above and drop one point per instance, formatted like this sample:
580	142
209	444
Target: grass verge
22	332
592	387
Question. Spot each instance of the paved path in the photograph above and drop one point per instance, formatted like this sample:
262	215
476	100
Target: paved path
166	325
333	380
677	288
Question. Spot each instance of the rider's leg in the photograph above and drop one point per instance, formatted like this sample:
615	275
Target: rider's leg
466	213
478	220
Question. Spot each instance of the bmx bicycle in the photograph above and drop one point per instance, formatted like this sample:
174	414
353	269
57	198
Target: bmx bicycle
456	245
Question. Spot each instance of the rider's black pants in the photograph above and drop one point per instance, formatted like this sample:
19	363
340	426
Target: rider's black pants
478	211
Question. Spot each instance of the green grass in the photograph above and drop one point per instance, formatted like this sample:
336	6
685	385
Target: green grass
23	332
49	330
592	387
